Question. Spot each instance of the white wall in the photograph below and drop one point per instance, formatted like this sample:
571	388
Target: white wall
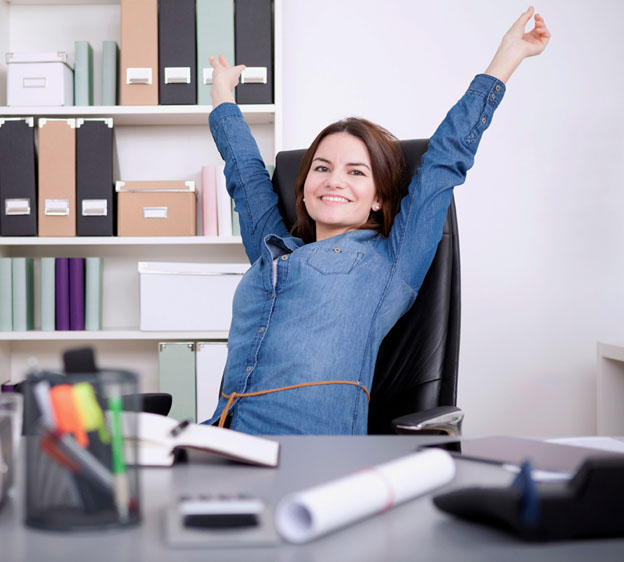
540	216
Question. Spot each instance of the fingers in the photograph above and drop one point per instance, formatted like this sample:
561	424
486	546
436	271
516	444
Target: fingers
524	18
540	27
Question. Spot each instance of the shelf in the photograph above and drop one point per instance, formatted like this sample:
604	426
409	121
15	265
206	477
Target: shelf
111	335
60	2
141	114
118	240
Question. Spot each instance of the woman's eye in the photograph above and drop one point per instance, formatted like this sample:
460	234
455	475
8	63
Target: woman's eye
321	169
357	173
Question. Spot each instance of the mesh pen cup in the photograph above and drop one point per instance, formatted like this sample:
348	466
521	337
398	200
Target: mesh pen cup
82	468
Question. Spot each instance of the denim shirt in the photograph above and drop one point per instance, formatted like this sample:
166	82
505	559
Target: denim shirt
318	312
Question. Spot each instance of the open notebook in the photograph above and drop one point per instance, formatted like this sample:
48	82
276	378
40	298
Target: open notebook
157	447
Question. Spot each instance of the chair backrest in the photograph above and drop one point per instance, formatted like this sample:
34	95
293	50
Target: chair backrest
417	363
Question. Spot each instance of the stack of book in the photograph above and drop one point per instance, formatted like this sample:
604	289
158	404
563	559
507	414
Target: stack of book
70	290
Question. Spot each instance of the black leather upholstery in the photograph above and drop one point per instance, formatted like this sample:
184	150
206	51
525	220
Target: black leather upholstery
417	363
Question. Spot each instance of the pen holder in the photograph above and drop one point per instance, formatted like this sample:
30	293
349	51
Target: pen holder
81	474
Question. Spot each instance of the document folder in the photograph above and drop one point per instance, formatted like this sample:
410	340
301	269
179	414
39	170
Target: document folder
83	73
176	368
215	36
210	358
139	52
176	50
110	73
57	177
18	192
6	294
254	48
94	177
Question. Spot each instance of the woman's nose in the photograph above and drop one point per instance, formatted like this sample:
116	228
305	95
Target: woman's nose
335	180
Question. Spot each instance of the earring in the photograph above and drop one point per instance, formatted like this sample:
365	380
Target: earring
304	199
376	208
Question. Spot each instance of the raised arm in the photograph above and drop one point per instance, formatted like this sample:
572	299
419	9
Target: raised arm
518	45
417	228
248	181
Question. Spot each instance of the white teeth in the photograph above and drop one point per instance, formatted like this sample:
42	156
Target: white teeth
333	198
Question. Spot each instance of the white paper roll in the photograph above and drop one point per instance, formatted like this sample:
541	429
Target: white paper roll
306	515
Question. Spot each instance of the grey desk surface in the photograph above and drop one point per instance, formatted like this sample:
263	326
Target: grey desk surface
415	530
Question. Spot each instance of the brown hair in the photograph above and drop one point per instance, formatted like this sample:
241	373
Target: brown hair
388	168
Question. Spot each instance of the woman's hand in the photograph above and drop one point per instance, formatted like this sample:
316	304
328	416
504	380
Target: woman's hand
224	79
517	45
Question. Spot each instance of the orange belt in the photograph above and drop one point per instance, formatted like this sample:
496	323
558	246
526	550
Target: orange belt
235	395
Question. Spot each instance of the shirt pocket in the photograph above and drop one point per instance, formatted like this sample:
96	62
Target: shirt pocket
329	261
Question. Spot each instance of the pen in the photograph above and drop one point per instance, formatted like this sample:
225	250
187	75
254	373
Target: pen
180	428
122	487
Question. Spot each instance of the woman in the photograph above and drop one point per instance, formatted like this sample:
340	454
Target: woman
311	312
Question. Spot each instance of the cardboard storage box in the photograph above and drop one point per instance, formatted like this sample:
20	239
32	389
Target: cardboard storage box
156	208
39	79
187	296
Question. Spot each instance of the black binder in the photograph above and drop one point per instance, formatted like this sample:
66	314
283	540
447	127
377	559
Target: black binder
18	186
254	47
177	56
94	177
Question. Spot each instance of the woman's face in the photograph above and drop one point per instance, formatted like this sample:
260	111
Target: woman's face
339	190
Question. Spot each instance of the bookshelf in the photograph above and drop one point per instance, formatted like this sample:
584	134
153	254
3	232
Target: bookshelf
151	142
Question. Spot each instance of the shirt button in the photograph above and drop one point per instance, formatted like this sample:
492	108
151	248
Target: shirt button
248	368
284	257
483	120
493	95
337	250
261	329
497	88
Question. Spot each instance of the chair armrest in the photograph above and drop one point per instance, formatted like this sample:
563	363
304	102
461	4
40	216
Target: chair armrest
444	419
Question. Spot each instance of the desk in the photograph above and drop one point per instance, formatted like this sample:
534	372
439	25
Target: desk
412	531
610	389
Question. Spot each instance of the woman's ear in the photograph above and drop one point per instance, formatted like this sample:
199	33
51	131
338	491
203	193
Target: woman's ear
377	204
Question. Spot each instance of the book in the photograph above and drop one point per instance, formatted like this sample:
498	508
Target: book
110	68
224	205
157	447
23	294
215	36
209	201
83	73
61	288
48	309
93	293
6	295
176	376
76	293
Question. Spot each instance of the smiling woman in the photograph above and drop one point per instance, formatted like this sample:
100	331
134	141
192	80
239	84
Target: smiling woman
311	312
353	159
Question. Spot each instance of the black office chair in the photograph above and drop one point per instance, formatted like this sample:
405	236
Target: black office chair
415	384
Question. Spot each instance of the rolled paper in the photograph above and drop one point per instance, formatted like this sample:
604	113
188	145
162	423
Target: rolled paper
306	515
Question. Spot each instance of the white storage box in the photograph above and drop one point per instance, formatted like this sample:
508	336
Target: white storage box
188	296
39	79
